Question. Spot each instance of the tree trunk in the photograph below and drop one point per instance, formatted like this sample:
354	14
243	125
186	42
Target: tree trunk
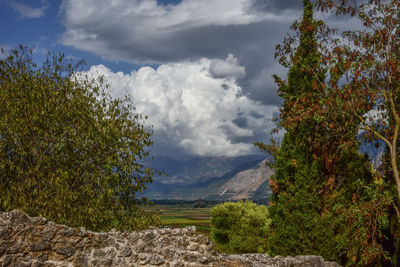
393	149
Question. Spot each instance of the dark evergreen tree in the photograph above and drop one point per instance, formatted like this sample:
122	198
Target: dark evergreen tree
317	164
297	203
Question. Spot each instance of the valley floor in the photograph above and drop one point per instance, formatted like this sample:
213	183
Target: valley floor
181	216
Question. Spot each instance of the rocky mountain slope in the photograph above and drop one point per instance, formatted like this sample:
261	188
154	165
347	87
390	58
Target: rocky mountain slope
245	184
213	179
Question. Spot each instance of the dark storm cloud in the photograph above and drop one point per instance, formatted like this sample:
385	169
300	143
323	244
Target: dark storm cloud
240	121
250	34
276	5
256	115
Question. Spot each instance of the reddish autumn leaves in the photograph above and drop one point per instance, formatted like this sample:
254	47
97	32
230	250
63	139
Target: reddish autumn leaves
336	88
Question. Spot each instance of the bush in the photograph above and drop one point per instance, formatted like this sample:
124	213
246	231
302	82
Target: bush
68	152
241	227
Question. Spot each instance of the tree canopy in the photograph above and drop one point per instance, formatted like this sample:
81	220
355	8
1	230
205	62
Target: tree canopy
368	63
68	151
327	198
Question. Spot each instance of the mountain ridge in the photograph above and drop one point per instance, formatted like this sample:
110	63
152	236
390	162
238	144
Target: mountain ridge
196	181
223	178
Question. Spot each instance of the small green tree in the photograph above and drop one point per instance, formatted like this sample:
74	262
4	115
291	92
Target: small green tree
200	204
68	151
241	227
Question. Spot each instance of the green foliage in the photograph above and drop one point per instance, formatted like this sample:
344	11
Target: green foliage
327	199
68	151
299	183
363	223
296	203
319	170
200	204
241	227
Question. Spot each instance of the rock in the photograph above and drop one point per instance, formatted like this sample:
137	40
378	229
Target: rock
65	251
148	236
125	252
40	246
189	230
81	260
190	257
193	247
98	253
178	264
7	260
157	259
34	242
2	250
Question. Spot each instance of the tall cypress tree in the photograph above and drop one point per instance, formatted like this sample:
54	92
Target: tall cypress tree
318	168
296	202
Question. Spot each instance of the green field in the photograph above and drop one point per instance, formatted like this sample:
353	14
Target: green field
179	216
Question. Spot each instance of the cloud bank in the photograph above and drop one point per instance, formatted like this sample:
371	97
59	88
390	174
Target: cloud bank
144	31
148	32
195	107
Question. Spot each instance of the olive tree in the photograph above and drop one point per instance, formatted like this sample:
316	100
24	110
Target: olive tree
68	151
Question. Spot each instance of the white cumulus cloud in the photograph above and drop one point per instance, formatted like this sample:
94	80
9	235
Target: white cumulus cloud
227	68
191	111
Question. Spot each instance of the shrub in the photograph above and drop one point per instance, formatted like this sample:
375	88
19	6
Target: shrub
240	227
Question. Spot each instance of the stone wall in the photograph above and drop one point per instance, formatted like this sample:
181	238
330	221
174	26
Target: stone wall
26	241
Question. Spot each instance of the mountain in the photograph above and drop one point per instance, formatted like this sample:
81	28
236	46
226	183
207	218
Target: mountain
211	178
223	178
246	183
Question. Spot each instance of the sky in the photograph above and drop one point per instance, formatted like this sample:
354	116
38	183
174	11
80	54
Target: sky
201	70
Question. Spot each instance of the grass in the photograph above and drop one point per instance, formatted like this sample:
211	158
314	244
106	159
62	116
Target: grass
178	216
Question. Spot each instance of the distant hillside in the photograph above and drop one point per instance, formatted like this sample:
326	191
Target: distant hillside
219	178
222	178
